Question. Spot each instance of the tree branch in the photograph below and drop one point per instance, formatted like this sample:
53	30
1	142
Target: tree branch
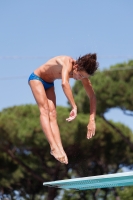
127	113
126	139
28	169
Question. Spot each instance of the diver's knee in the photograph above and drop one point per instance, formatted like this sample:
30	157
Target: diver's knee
53	114
44	110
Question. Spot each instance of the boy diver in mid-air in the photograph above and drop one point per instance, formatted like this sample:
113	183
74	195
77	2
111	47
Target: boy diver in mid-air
42	86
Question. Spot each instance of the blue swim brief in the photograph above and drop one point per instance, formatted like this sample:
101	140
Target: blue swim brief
45	84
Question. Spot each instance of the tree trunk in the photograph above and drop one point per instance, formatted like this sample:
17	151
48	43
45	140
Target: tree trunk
52	193
116	195
94	196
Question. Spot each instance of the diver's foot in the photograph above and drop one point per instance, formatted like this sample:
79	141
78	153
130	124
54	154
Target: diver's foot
59	156
64	154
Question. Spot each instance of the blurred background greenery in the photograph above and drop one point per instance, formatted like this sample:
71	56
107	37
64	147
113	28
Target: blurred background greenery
25	160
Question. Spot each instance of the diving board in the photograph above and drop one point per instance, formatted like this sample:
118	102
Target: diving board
94	182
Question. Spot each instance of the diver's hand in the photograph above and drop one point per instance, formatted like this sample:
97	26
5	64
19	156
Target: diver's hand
72	115
91	129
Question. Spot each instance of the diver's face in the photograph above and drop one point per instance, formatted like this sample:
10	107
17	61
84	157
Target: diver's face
79	75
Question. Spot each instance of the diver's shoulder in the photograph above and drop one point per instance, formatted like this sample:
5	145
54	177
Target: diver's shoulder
65	58
60	60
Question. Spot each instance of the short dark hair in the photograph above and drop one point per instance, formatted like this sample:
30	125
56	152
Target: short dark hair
88	63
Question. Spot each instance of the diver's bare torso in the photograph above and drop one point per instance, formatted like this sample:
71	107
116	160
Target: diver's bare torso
52	69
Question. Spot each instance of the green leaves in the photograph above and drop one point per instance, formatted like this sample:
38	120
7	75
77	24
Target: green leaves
25	160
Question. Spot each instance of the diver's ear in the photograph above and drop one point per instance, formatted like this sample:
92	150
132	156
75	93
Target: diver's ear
75	66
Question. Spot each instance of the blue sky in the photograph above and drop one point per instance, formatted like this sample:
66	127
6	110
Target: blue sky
33	31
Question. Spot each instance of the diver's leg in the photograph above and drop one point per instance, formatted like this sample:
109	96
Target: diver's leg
42	101
53	119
